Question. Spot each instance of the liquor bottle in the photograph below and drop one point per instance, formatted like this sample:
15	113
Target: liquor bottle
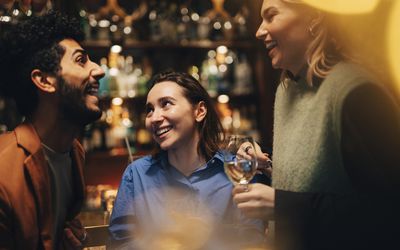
131	77
143	136
154	21
113	73
240	23
243	84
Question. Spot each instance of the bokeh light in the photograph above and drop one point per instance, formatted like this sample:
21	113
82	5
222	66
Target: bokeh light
394	43
344	6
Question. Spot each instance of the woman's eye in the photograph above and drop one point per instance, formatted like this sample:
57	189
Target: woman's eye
166	103
149	110
270	17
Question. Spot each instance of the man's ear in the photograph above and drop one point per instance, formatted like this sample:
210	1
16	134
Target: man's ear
201	111
43	81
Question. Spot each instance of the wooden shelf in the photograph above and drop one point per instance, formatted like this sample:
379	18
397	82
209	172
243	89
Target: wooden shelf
142	98
203	44
106	167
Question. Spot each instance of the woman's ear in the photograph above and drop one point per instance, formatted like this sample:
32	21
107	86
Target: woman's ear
201	111
43	81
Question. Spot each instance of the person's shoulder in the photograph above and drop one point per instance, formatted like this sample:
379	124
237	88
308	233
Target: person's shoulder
344	77
12	158
10	150
7	141
140	167
344	72
143	163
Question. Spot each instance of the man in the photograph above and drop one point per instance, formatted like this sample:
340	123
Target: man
54	84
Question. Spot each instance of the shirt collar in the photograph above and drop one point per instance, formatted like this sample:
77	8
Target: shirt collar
161	160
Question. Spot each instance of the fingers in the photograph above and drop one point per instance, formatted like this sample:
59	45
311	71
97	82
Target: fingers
72	239
237	189
255	209
75	232
256	192
261	169
258	202
246	151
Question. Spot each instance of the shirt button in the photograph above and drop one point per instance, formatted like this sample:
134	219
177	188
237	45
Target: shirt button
212	161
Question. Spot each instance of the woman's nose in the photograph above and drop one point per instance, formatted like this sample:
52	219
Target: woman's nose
261	32
156	116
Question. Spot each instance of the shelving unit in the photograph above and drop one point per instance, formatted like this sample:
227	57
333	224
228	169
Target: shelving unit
134	44
180	54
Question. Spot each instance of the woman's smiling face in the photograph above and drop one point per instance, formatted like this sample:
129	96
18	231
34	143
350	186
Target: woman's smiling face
285	33
171	118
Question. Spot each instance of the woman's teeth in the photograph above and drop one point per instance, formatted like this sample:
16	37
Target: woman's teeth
162	131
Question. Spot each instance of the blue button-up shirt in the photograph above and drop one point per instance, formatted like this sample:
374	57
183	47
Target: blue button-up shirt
153	195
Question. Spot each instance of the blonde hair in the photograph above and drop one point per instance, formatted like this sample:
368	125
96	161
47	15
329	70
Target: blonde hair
324	50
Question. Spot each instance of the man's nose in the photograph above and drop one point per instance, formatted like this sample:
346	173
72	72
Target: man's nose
97	71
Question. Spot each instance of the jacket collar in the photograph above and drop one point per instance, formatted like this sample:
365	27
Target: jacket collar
27	138
38	174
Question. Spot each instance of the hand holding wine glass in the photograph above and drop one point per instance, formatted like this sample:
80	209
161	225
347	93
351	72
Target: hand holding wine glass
240	160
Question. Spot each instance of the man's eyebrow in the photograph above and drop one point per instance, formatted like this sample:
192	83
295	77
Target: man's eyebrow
82	51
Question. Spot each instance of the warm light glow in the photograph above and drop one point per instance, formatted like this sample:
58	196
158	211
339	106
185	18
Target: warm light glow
113	28
211	53
229	59
117	101
113	72
394	42
222	68
5	19
116	49
217	25
104	23
195	17
222	49
127	30
82	13
228	25
15	12
344	6
223	99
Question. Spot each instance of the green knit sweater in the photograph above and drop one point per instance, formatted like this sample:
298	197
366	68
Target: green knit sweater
307	132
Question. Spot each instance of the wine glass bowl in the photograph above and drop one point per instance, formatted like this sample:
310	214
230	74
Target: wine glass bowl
240	161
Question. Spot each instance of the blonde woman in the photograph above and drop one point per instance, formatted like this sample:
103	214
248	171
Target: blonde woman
336	141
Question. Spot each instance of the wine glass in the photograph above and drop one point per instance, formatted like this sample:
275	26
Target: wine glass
240	161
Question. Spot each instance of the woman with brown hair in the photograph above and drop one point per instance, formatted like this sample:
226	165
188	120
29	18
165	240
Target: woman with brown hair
180	193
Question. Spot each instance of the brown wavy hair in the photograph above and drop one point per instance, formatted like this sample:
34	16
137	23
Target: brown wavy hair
210	128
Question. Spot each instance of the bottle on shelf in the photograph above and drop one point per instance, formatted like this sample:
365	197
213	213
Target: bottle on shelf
243	84
224	71
143	136
240	23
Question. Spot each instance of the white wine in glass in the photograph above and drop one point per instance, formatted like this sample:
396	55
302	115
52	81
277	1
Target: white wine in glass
240	161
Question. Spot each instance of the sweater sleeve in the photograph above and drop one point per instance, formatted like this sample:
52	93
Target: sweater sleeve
371	154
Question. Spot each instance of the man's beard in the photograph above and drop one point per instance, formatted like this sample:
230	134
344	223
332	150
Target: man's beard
73	104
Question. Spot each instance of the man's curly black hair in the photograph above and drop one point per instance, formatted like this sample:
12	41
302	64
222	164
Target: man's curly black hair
33	43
